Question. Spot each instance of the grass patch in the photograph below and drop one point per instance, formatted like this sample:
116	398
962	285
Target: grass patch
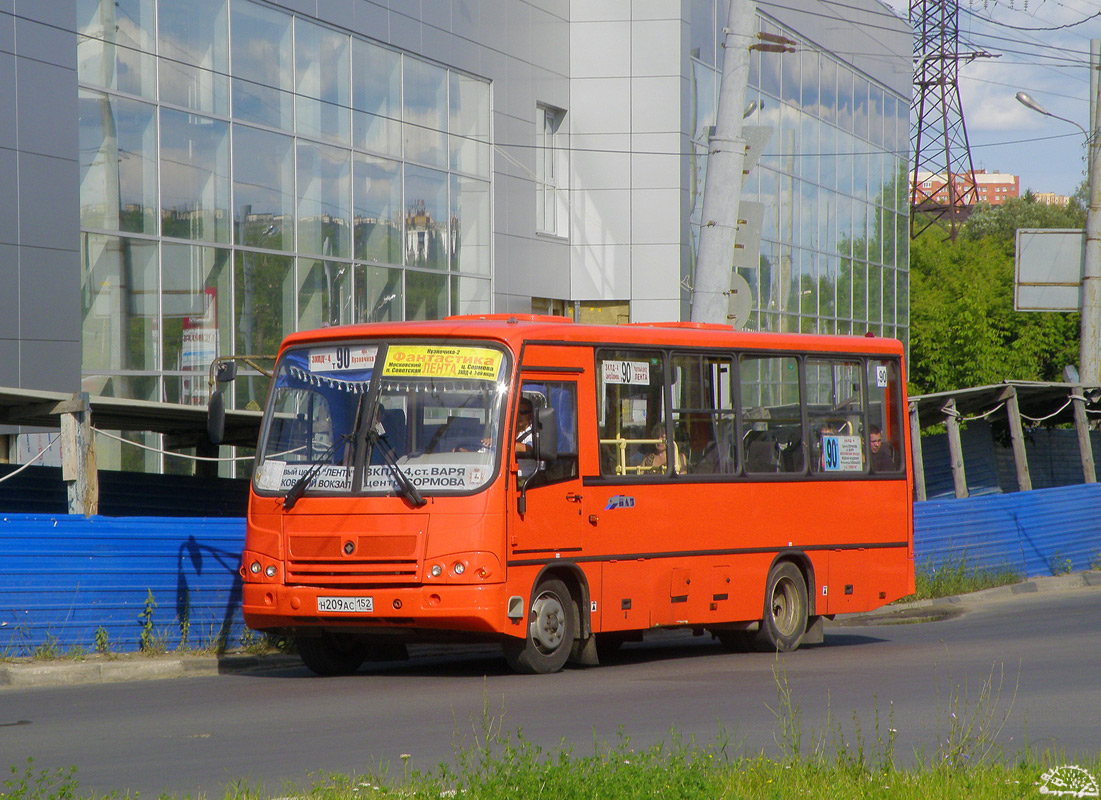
835	761
950	578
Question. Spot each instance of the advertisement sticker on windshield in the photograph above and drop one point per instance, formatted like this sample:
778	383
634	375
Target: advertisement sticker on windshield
427	361
341	358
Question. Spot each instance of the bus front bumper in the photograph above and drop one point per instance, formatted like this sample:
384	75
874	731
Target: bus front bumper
478	609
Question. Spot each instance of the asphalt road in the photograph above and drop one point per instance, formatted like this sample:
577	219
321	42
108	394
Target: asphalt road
1030	660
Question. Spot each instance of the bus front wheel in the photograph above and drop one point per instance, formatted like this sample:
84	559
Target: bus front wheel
550	633
785	612
332	653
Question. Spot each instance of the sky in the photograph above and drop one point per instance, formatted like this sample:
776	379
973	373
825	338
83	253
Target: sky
1052	66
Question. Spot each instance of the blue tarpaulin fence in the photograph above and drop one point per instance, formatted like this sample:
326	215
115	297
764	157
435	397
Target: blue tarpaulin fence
70	581
66	579
1042	532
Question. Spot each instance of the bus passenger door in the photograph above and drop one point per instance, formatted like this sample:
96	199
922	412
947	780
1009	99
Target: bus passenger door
551	524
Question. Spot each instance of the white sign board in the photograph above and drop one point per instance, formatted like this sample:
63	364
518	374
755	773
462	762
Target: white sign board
1048	269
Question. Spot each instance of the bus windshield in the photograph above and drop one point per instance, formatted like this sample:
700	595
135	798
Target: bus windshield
430	419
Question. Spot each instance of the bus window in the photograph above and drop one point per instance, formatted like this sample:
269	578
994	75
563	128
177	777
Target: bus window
631	396
562	397
703	414
772	423
836	413
885	415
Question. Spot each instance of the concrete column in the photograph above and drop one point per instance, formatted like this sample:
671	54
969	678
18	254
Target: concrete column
915	449
1017	438
1082	428
955	448
78	456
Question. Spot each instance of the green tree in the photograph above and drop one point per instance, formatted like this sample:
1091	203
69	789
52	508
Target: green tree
963	329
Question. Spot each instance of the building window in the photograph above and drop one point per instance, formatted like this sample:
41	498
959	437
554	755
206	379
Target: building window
550	214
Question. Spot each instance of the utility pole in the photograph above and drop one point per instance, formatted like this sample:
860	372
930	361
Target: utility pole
1089	353
725	160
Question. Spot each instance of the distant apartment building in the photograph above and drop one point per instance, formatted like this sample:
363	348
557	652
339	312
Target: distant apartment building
993	187
1051	199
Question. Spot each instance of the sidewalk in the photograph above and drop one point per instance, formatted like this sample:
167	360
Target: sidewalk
136	667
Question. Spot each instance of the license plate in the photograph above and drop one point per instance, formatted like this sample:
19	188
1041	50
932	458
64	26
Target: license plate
345	605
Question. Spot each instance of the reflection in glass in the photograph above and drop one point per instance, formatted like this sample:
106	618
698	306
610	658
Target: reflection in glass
263	185
378	294
194	49
770	66
263	65
425	113
845	119
115	45
324	200
425	295
470	295
701	31
469	225
119	305
861	121
195	181
827	84
197	304
324	92
469	125
704	82
263	300
790	77
377	209
324	293
376	98
875	288
425	218
843	146
118	163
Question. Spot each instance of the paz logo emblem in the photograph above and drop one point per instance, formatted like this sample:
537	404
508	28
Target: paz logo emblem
1068	781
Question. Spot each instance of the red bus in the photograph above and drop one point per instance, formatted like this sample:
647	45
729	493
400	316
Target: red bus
562	488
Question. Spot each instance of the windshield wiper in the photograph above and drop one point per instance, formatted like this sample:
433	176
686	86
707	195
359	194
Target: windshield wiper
300	485
404	484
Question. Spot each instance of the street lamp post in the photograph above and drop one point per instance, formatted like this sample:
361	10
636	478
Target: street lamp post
1089	345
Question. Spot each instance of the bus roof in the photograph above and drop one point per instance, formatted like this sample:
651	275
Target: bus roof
515	329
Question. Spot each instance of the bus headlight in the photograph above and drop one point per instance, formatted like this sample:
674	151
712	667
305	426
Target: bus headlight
254	568
270	571
436	570
459	568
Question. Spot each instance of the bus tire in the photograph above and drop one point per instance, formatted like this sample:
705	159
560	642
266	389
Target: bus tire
552	628
332	653
785	612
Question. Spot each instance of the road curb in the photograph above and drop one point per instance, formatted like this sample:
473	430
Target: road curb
136	667
950	606
98	669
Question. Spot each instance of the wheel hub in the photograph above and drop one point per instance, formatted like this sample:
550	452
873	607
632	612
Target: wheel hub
548	625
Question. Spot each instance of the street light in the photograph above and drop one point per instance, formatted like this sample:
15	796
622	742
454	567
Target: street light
1089	345
1028	102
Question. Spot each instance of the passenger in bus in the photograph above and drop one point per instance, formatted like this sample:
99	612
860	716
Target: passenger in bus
703	451
658	460
883	455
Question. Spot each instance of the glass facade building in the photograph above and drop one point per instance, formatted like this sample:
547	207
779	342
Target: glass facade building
832	182
246	172
229	171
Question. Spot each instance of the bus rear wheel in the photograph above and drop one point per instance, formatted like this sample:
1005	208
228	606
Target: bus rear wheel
785	612
332	653
550	633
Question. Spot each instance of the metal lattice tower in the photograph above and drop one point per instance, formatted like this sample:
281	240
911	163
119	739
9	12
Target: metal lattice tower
939	135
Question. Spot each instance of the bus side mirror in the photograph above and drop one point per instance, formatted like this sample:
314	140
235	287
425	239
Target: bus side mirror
216	417
216	406
544	439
